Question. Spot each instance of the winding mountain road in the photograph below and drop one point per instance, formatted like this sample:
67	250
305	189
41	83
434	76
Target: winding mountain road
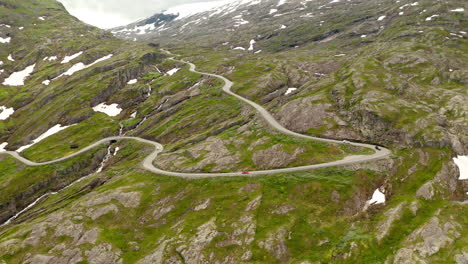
147	163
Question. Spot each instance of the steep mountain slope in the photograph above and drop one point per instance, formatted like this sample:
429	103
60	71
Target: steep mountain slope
396	87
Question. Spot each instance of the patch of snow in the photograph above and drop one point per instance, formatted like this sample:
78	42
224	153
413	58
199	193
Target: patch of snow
381	18
54	130
401	13
340	55
75	68
134	114
239	21
272	11
431	17
258	51
238	48
6	112
251	47
462	163
377	198
110	110
143	29
46	82
461	9
363	36
5	40
52	58
10	58
290	90
132	81
81	66
21	28
67	59
281	2
17	78
171	72
3	146
282	27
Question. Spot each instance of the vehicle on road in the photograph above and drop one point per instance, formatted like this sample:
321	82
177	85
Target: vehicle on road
377	147
245	172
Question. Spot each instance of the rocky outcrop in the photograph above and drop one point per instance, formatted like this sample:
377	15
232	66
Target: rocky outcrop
443	186
127	199
192	253
274	157
275	244
311	113
283	209
203	205
391	215
103	254
212	151
95	213
427	241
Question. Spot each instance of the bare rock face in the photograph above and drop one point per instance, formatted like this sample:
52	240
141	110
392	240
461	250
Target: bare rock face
426	191
461	258
244	231
70	256
211	151
203	205
103	254
10	247
427	241
37	233
301	114
127	199
89	236
253	205
156	256
274	157
283	209
38	259
392	215
444	184
192	253
275	244
95	213
309	113
69	229
166	205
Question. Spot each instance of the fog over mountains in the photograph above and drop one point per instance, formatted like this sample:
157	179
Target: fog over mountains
108	13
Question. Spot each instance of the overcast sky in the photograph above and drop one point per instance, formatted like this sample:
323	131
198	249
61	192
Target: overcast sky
112	13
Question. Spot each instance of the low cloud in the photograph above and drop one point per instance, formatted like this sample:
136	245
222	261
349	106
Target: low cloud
108	13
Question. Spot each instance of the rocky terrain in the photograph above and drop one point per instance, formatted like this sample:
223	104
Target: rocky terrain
385	72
